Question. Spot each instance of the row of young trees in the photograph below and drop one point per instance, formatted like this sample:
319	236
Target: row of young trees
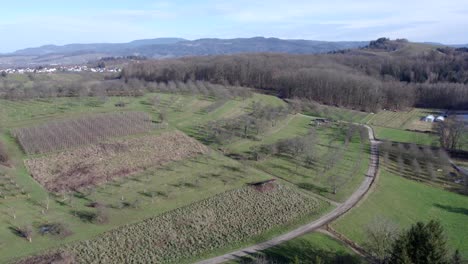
250	125
351	79
82	85
303	151
59	135
423	164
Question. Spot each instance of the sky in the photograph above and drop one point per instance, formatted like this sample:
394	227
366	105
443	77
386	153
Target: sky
29	23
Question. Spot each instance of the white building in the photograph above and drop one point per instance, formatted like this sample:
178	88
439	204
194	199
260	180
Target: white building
429	118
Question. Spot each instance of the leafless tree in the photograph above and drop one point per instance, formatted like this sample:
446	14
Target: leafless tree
335	182
381	233
431	170
416	167
450	133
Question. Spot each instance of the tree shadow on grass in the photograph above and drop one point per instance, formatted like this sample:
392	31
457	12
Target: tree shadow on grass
16	231
452	209
85	216
311	187
302	251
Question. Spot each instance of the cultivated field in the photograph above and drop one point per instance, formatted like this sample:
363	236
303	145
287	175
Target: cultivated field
220	221
407	120
423	164
59	135
99	163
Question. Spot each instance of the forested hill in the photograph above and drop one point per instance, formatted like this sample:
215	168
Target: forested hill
169	48
384	74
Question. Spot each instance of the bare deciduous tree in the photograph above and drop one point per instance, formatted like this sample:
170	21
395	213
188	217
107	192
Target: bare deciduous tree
381	233
450	133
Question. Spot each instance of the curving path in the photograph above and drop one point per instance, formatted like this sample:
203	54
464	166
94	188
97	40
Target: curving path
325	219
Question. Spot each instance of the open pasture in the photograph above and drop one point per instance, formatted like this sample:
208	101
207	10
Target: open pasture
309	248
95	164
403	202
60	135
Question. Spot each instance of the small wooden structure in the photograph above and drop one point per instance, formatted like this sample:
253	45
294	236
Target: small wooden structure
264	186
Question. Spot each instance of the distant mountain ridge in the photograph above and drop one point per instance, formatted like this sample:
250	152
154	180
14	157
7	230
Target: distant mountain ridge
95	47
168	48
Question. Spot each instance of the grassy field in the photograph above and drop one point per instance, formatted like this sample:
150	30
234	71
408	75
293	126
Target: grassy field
398	135
404	126
330	145
307	249
130	200
404	202
155	192
337	113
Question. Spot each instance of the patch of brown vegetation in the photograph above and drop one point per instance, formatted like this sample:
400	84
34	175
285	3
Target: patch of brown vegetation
99	163
55	258
264	186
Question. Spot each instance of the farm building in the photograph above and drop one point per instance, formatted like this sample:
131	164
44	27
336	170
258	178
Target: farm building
429	118
440	119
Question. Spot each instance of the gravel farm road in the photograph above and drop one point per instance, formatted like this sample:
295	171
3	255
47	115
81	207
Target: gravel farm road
326	219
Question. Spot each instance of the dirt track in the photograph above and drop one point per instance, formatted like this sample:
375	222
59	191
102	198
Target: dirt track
340	210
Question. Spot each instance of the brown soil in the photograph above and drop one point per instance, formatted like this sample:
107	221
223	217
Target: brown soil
99	163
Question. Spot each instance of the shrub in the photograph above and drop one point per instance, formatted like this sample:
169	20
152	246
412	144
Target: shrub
55	229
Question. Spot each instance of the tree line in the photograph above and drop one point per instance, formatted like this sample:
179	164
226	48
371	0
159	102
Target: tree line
352	79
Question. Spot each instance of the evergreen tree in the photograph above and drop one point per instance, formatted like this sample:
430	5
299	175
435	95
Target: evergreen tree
421	244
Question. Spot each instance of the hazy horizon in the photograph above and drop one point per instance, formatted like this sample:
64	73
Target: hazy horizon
31	24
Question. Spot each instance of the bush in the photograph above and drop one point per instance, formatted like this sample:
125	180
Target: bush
55	229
